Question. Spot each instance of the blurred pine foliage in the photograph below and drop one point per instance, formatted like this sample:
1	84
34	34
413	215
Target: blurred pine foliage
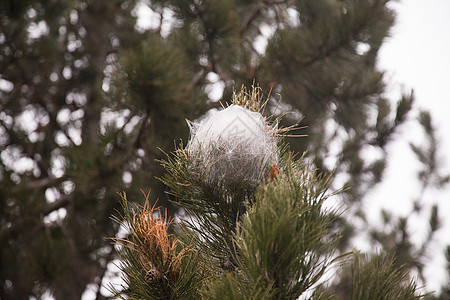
87	97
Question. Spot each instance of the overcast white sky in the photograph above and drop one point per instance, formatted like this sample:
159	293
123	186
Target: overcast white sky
418	56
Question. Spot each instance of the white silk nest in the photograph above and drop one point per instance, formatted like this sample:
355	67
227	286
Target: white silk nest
232	147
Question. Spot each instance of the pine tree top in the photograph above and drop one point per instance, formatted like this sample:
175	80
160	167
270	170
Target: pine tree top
271	241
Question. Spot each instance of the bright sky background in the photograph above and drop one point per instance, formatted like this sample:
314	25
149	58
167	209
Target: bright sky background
417	56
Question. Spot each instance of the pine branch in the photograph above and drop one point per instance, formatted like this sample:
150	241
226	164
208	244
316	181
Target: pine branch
44	183
34	221
156	265
63	201
256	12
377	278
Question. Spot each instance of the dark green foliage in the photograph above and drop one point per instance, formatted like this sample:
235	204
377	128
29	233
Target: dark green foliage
215	210
154	87
378	279
280	247
279	244
428	155
150	249
372	277
54	55
53	121
269	243
86	98
396	234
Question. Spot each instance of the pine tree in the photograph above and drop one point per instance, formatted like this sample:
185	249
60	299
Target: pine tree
87	96
65	148
241	240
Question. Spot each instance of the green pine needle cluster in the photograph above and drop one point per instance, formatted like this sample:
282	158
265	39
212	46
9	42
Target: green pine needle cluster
155	264
376	278
281	246
371	277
